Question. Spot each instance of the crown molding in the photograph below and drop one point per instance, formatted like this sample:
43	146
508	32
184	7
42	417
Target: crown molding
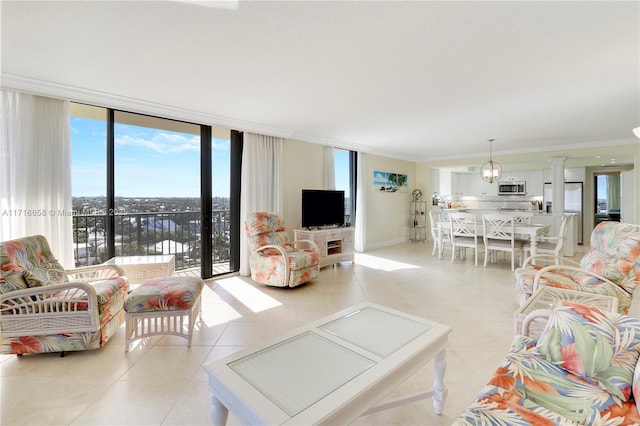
108	100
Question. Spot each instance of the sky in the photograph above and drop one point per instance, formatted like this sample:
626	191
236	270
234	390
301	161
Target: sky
154	162
148	162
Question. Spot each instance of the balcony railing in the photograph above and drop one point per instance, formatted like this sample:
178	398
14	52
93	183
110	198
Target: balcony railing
138	234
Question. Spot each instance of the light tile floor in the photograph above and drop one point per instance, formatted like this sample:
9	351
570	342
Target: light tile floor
161	381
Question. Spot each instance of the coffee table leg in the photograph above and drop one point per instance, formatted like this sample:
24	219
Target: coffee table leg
439	391
219	412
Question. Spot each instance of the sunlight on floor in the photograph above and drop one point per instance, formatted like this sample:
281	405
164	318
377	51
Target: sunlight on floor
250	296
375	262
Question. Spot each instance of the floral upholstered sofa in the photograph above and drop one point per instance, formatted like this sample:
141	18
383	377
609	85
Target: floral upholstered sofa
582	369
611	267
45	308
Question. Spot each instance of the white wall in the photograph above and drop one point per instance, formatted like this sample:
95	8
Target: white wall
387	214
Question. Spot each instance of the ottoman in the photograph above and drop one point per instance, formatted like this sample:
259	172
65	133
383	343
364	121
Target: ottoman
162	306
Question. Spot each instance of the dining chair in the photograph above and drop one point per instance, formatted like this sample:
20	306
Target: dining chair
464	234
550	245
522	218
435	216
498	232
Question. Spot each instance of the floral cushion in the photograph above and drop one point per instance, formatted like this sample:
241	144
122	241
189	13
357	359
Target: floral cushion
48	272
601	348
11	281
31	257
614	253
165	294
526	389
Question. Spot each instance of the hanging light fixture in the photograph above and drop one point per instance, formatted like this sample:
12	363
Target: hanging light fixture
491	171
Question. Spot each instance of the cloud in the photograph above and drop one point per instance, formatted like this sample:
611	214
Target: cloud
161	142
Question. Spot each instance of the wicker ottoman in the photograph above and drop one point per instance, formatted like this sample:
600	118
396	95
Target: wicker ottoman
162	306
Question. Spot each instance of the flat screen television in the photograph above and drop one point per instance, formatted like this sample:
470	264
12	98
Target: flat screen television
322	208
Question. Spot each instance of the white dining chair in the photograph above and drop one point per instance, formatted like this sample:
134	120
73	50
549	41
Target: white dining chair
464	234
522	218
498	232
435	217
550	245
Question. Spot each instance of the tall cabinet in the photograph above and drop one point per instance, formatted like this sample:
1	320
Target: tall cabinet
418	220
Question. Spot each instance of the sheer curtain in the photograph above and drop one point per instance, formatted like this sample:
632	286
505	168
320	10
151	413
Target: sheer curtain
329	168
361	202
261	187
35	172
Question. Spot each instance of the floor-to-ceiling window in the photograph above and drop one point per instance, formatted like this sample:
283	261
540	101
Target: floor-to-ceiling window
89	183
138	189
345	179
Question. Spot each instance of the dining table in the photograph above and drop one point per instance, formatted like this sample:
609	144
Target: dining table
531	231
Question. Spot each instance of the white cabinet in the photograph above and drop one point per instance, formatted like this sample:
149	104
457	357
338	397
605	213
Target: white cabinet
535	183
336	244
460	184
444	187
479	186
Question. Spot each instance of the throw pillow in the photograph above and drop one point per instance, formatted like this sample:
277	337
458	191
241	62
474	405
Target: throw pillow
599	347
48	272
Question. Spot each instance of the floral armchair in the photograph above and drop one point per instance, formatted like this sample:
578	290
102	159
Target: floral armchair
582	369
45	308
275	260
611	267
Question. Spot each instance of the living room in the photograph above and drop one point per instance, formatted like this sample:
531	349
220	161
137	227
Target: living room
477	303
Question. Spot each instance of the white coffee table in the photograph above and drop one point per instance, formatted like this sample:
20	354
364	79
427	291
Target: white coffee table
331	371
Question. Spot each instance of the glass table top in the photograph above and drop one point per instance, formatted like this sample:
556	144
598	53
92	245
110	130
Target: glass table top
297	372
376	331
300	371
551	297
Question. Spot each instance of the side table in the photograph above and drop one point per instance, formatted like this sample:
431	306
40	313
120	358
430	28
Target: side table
551	297
141	268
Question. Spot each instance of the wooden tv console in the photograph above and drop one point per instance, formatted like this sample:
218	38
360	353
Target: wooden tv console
336	244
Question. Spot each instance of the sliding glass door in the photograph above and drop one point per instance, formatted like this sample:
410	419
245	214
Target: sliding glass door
143	186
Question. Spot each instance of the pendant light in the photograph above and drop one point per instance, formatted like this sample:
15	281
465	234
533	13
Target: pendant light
491	171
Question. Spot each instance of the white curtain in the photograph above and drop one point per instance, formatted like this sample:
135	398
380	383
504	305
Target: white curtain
261	188
329	168
35	172
361	202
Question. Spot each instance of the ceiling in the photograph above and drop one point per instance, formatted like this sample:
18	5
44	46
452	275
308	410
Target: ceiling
416	80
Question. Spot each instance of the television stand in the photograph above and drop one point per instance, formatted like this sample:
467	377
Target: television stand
336	244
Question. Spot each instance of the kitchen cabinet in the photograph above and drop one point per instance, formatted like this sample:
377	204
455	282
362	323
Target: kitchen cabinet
535	183
460	184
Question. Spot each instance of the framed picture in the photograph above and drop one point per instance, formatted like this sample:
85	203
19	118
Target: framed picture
390	182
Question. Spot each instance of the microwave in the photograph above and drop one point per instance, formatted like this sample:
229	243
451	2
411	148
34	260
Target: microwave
512	188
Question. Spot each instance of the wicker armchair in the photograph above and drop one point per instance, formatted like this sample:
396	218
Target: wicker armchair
44	308
611	267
